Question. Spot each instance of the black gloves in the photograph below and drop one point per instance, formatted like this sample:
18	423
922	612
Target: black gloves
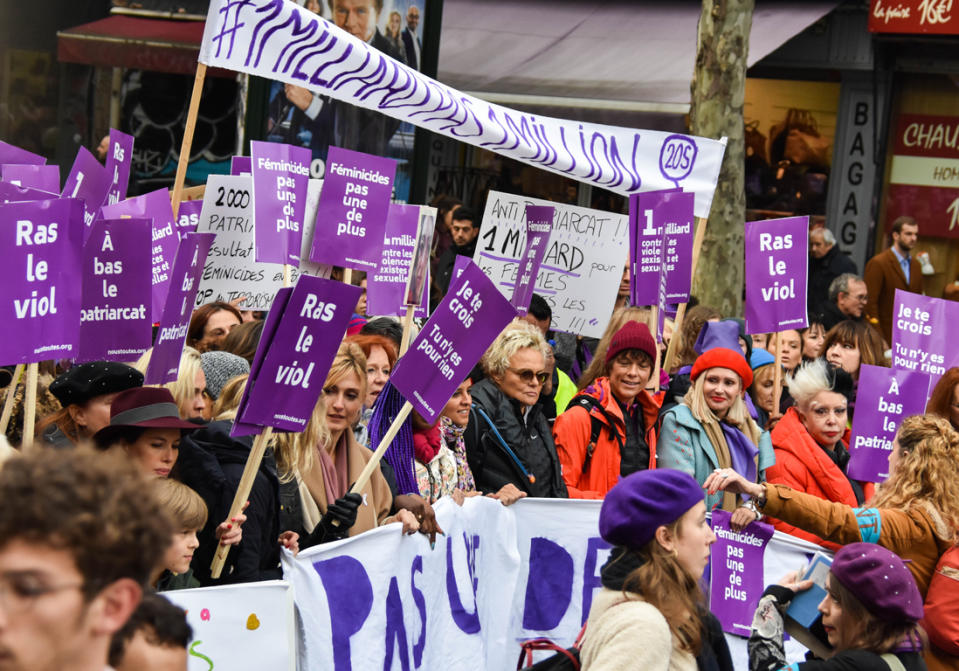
343	513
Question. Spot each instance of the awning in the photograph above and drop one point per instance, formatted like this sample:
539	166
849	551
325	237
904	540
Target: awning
160	45
627	55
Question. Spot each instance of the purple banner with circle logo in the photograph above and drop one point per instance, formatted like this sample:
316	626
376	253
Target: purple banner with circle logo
115	320
385	289
777	262
466	321
43	177
539	224
119	160
289	375
886	396
12	154
921	338
187	267
736	572
42	243
156	206
351	216
89	182
281	173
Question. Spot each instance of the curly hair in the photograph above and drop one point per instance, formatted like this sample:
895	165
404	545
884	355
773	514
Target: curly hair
693	323
940	401
927	471
97	507
597	367
517	335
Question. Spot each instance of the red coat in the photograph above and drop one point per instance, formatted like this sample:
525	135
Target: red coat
571	432
804	466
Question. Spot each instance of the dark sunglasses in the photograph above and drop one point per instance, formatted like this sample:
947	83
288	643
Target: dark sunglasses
529	376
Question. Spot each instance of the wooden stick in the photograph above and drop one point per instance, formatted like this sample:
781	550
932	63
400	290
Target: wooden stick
8	402
30	406
681	311
242	493
347	276
287	275
777	376
407	329
385	442
187	143
674	340
656	364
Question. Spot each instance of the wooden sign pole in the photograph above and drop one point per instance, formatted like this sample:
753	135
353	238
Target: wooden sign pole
187	143
656	363
30	406
8	401
681	312
407	329
777	376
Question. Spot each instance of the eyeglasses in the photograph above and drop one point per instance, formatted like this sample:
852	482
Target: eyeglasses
530	377
18	592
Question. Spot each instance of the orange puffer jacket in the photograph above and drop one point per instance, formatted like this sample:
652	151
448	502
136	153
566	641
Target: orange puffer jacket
571	433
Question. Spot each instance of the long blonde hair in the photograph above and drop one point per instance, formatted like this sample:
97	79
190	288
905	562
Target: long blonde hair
597	367
738	414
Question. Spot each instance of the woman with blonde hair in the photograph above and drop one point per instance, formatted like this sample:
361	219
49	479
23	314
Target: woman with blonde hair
187	388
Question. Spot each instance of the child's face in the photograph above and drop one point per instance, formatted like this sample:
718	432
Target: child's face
180	553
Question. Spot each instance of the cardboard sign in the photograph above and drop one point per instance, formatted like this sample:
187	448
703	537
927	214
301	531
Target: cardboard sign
583	266
12	154
464	324
921	337
280	175
645	245
165	359
43	177
119	160
310	324
241	165
736	580
115	322
539	224
11	193
42	243
351	216
386	288
777	263
188	217
89	182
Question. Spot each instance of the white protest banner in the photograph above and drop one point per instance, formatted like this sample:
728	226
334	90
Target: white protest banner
584	261
231	271
248	626
288	43
382	600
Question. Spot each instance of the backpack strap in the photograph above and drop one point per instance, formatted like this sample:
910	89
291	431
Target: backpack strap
588	402
893	662
509	452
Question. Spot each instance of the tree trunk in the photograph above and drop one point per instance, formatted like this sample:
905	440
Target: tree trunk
718	87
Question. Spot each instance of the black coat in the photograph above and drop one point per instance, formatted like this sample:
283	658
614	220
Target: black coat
211	462
821	274
531	444
444	267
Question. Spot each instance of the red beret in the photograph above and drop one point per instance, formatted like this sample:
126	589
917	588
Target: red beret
722	357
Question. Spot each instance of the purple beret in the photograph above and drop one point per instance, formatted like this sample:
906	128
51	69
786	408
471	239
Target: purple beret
880	580
642	502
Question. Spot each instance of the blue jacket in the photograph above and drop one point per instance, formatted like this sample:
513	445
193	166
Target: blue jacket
684	445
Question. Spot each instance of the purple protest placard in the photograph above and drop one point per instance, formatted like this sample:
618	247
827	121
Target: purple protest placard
467	320
645	242
777	259
351	216
115	322
885	397
308	332
89	182
42	258
119	160
191	254
386	287
921	338
539	224
188	217
460	263
156	206
12	154
736	565
43	177
280	176
241	165
677	218
418	280
11	193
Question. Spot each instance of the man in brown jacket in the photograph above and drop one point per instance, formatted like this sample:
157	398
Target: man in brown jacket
892	269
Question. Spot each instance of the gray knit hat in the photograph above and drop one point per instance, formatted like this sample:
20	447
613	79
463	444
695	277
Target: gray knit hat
221	367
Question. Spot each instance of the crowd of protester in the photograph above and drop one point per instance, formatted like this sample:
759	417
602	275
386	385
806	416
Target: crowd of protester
722	428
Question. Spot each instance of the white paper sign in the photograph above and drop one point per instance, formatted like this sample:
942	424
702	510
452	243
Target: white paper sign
584	261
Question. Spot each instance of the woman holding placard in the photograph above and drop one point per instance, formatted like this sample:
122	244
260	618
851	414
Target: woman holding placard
712	428
944	400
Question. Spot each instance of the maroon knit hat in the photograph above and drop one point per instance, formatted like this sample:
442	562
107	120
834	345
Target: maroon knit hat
632	335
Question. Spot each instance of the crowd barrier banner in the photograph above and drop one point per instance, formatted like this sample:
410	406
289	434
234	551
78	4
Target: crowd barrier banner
282	41
89	182
581	270
280	176
497	577
240	626
115	320
118	163
43	177
921	339
777	263
539	223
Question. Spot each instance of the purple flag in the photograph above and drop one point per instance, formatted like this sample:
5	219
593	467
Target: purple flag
539	224
679	222
119	160
297	358
11	193
240	165
115	320
921	338
351	216
187	267
466	321
39	274
645	240
12	154
280	176
885	397
777	260
737	582
386	287
89	182
156	206
188	217
43	177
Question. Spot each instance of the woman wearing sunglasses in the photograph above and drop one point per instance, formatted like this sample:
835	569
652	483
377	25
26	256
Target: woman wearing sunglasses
508	440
